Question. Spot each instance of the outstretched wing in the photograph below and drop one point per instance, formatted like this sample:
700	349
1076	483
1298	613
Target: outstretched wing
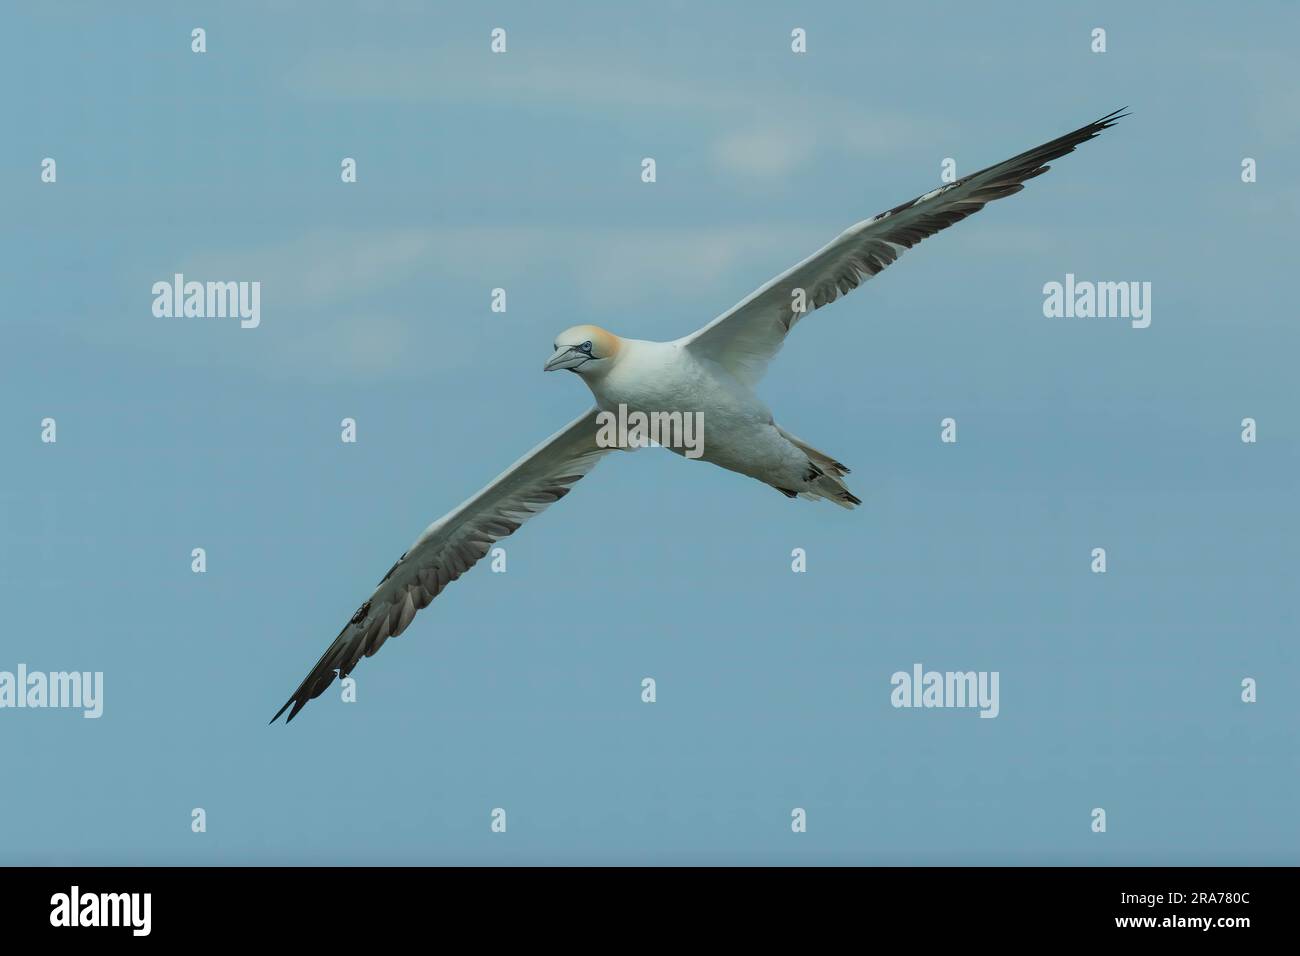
745	338
452	545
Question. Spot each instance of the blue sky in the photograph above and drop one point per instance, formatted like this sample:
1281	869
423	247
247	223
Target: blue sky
522	171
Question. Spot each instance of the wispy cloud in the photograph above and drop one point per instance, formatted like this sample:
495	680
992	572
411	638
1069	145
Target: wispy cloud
604	266
347	305
776	152
761	153
457	77
1273	79
735	118
355	305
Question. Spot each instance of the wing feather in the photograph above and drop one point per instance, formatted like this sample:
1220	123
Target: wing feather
451	546
746	337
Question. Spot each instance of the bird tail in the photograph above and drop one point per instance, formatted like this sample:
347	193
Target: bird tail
835	491
824	461
828	471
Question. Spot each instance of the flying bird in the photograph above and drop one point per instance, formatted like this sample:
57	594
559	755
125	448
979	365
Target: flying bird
712	371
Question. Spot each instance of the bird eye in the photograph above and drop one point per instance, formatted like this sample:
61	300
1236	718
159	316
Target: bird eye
586	347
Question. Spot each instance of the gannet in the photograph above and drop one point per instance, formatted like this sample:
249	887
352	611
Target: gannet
712	371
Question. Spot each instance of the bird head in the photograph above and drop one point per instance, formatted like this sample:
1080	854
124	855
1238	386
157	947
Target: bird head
585	349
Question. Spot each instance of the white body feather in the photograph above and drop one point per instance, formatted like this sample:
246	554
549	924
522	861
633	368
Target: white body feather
739	433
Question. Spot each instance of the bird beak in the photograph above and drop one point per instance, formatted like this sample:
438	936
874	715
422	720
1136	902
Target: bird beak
565	358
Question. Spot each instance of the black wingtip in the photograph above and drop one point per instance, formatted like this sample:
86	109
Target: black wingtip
291	700
1110	119
321	676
